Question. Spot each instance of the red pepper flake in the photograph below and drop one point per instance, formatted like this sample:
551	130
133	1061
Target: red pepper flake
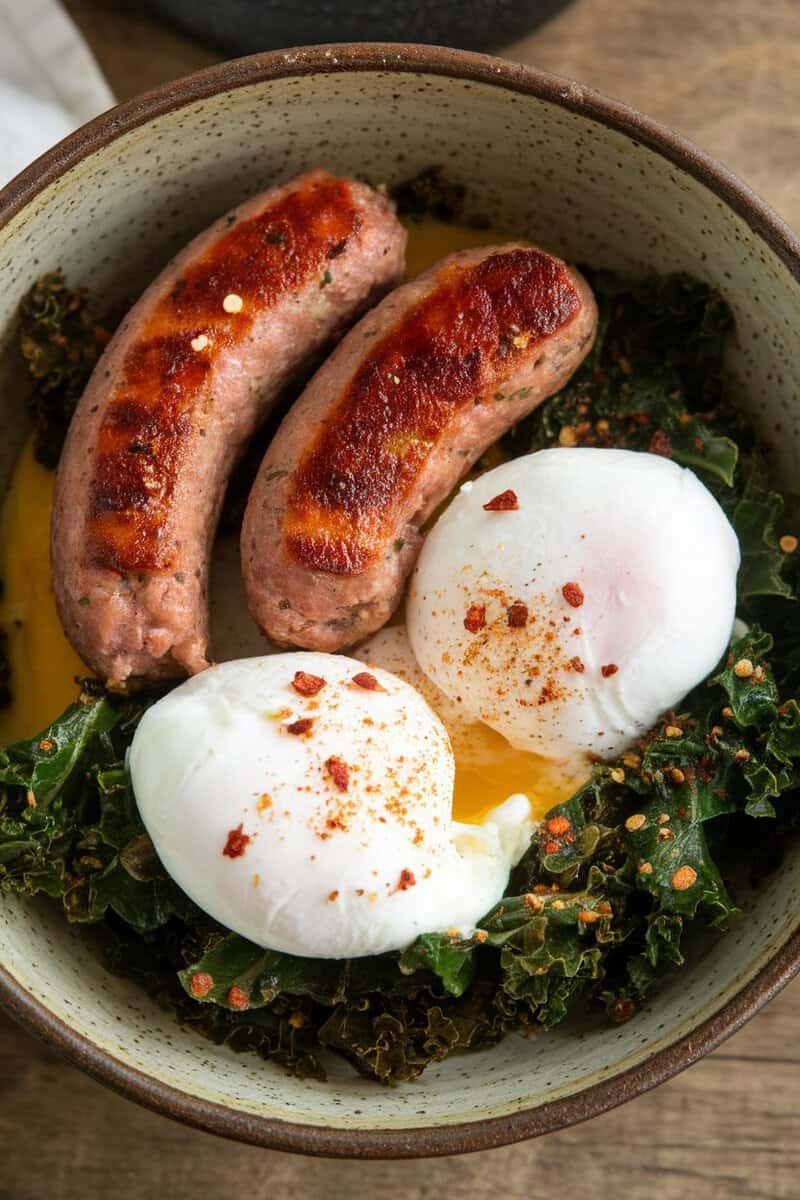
303	726
475	619
368	682
558	825
237	843
577	664
551	847
608	670
621	1010
236	998
506	501
333	896
517	615
405	881
307	685
201	984
660	444
339	772
573	594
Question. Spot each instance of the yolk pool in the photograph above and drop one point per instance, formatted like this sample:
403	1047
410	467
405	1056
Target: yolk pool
44	667
430	240
43	664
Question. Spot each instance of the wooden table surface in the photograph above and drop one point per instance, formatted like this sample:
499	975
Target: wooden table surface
727	74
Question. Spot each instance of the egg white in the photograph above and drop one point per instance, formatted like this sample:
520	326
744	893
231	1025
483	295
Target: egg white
323	872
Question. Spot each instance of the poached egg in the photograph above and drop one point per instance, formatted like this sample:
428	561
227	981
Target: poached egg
569	597
305	803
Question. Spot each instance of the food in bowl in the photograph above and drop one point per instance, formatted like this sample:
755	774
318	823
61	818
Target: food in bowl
559	734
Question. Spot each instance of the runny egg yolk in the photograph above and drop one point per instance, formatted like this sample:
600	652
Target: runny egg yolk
491	771
44	667
43	664
429	240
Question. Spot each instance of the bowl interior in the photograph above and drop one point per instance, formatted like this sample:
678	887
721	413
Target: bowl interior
561	178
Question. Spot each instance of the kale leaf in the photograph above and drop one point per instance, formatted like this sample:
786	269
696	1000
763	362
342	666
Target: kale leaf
258	976
61	340
69	825
430	193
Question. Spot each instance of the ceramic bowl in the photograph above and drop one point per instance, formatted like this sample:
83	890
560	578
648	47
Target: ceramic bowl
548	160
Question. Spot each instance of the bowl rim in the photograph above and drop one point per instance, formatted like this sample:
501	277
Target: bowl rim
414	1142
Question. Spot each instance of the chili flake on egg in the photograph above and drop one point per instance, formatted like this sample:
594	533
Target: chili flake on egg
307	685
506	501
300	727
367	681
573	594
339	772
237	842
475	620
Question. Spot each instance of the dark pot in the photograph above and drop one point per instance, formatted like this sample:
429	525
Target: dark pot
243	26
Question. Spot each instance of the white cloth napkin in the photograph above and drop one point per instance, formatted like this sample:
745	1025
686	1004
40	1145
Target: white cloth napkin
49	81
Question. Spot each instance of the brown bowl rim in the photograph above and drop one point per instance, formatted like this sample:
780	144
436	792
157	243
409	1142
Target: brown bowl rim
774	975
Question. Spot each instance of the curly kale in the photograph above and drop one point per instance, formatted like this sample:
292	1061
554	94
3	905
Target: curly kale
650	847
61	341
430	193
69	826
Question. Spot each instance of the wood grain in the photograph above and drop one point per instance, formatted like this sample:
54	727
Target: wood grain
724	1130
728	76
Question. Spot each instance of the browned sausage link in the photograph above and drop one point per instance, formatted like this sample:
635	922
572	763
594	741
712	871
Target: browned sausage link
182	385
389	424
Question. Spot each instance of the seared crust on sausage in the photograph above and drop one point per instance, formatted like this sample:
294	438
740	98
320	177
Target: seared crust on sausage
184	382
409	400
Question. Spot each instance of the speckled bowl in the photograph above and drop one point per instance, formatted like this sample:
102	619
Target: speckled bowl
544	158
